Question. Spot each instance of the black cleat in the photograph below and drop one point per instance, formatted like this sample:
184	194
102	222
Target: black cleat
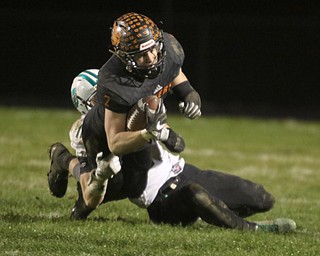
58	174
80	211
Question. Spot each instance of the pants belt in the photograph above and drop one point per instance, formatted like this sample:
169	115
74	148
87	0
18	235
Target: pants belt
169	186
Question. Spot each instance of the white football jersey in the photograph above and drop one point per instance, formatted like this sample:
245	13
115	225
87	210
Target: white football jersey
168	166
75	135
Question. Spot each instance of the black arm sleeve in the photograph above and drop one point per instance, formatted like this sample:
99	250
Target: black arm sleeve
182	90
186	93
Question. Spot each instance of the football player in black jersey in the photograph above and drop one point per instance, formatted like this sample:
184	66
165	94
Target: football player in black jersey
176	192
145	61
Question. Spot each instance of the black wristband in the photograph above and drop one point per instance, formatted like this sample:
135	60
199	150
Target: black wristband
182	90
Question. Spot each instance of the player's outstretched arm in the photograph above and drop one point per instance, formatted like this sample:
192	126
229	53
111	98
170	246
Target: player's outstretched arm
190	101
98	181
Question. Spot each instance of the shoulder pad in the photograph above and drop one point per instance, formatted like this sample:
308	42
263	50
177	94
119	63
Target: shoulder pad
174	48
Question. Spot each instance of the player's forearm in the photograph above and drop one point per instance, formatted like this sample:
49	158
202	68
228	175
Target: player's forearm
92	200
126	142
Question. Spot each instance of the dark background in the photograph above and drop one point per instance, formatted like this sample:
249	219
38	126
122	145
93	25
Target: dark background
244	57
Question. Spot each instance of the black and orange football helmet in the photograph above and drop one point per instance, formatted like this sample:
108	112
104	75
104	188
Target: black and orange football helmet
132	34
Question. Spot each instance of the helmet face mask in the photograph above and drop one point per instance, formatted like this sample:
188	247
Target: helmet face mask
83	90
146	71
84	105
133	35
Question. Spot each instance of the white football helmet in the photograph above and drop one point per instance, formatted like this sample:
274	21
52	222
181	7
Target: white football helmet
83	90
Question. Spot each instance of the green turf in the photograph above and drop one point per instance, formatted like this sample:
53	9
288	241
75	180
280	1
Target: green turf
283	155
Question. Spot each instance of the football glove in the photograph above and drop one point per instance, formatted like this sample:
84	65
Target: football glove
189	100
157	121
107	166
191	106
175	143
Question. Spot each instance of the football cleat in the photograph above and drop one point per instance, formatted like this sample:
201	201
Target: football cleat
281	225
80	211
58	174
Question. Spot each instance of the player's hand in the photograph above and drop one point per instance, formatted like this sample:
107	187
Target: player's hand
191	106
157	122
175	143
107	166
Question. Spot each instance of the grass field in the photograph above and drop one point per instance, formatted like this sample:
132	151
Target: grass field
282	154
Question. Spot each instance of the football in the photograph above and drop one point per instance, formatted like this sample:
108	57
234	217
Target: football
136	118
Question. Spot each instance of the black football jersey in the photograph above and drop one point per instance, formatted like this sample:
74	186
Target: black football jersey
118	90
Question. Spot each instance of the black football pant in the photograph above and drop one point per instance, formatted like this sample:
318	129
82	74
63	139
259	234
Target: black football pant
218	198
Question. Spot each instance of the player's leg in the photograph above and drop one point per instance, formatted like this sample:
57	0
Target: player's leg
185	205
74	168
240	195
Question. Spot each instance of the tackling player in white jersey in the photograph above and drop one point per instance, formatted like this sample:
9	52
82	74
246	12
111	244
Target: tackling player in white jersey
83	91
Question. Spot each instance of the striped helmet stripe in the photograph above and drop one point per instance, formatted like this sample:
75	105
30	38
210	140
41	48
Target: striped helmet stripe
89	76
91	73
